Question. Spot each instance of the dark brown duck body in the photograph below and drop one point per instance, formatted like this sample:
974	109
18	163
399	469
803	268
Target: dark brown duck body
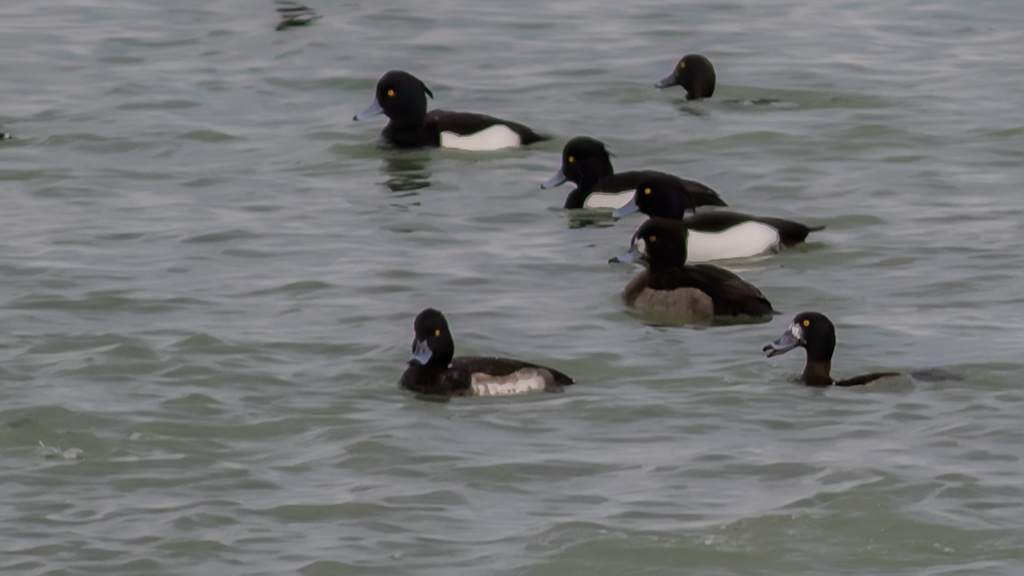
482	376
670	283
433	369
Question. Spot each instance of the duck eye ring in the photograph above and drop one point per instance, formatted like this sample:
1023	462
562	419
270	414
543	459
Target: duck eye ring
652	238
391	92
437	332
807	323
571	159
682	65
647	190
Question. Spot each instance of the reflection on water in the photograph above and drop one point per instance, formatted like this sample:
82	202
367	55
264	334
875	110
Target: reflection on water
698	109
587	218
691	107
762	102
406	170
294	14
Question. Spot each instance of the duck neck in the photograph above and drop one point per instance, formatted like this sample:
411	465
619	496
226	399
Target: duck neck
817	373
577	198
413	117
666	267
410	136
669	258
592	171
417	377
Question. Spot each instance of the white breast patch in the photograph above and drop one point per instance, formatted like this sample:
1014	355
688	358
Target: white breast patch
519	382
740	241
611	200
493	138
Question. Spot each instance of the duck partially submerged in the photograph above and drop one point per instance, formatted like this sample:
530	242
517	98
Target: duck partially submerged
695	74
816	334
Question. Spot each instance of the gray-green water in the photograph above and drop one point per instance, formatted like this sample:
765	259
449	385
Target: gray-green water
208	276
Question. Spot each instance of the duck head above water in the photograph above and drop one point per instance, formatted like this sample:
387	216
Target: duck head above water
695	74
432	344
401	97
585	161
668	196
659	243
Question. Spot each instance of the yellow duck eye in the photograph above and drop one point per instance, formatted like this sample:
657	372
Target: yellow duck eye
437	332
807	323
391	91
647	190
571	159
652	238
682	65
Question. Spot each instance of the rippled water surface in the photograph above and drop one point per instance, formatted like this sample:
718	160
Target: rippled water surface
208	275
